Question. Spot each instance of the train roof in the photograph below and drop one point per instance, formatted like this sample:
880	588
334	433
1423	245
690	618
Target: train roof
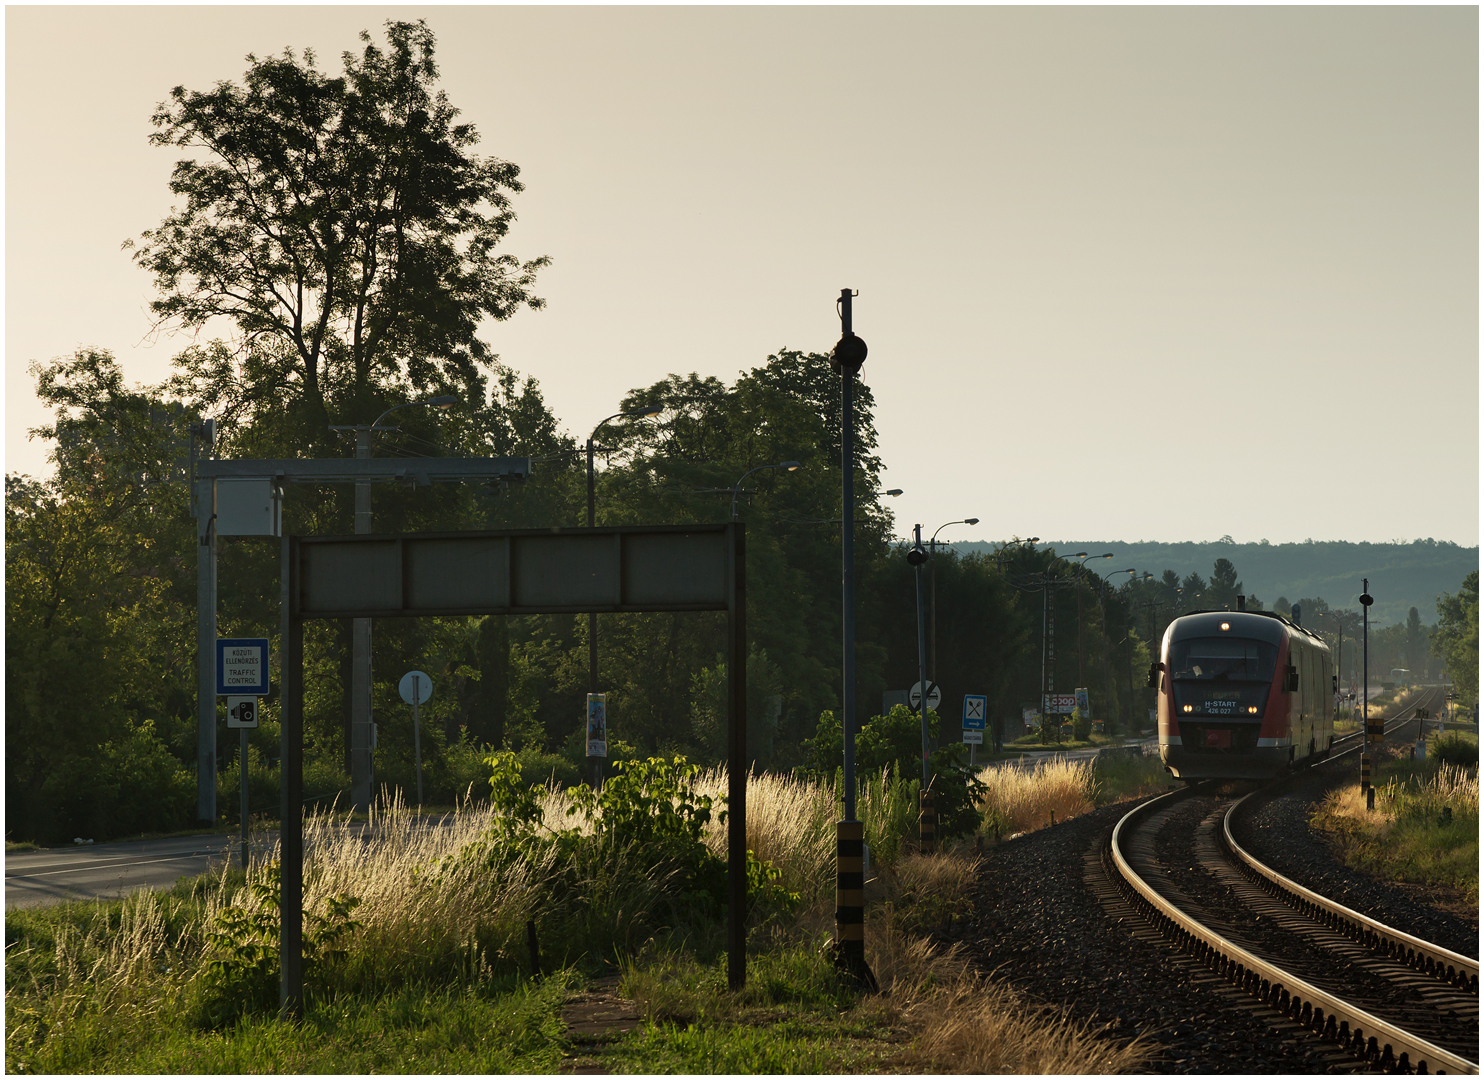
1293	627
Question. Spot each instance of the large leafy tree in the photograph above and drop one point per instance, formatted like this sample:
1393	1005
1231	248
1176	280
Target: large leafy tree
1457	637
341	223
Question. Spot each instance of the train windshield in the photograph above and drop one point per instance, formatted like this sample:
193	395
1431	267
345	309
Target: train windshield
1238	659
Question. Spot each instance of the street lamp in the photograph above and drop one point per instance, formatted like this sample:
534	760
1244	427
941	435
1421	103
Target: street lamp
358	735
933	596
787	466
1103	618
1083	556
1339	649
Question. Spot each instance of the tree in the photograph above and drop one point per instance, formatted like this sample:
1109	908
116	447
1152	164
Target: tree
1416	646
340	223
1457	638
1224	587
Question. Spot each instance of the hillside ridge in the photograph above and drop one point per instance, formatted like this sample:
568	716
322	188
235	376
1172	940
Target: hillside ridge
1402	575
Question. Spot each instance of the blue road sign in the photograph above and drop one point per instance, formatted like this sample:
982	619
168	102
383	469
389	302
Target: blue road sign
975	707
242	666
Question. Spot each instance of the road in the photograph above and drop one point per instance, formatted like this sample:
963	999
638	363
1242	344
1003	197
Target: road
1033	756
108	871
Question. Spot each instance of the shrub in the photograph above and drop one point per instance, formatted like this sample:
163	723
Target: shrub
1454	749
242	944
894	742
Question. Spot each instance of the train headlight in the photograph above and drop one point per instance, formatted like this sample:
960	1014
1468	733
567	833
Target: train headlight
1190	708
1252	709
1226	626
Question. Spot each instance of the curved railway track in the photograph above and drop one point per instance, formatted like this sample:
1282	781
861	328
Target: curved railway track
1399	1003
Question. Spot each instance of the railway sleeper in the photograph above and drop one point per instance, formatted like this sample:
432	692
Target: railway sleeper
1356	931
1274	995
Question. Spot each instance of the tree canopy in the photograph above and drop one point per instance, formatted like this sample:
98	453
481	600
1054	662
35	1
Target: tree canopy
341	223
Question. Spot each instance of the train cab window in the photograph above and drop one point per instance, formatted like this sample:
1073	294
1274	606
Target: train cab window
1225	677
1223	658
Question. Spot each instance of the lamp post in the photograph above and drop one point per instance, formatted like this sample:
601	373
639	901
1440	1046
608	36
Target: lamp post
1365	683
358	737
1103	617
787	466
933	596
1339	649
592	512
846	359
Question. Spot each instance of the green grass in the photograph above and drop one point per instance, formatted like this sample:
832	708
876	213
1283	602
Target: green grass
435	978
414	1030
1128	776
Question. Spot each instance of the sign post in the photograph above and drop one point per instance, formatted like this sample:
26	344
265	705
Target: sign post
597	726
242	713
976	706
242	678
416	688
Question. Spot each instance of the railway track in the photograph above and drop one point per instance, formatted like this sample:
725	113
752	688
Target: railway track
1398	1003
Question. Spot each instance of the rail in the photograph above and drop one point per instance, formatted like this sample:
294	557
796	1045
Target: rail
1371	1037
1451	967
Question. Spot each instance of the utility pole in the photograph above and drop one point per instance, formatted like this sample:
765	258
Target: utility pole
1048	654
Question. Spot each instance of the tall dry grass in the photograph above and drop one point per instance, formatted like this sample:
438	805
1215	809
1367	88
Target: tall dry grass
962	1022
421	905
1020	799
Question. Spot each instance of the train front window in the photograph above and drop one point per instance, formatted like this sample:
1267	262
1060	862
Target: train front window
1223	658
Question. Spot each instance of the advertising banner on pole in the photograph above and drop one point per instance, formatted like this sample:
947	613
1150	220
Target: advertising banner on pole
1082	702
597	725
1062	704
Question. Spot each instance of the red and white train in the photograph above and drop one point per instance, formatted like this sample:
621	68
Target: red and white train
1243	695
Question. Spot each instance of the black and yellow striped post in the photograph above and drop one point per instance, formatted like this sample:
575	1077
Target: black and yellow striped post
1365	772
850	901
927	822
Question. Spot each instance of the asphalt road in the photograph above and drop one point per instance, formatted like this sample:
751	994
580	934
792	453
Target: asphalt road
108	871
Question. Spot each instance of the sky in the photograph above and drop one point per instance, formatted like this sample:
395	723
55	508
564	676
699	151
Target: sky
1162	273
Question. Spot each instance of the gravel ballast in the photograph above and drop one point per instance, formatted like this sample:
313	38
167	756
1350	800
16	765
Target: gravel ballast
1039	925
1046	921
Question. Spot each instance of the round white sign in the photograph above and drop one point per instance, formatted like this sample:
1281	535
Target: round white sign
935	695
421	681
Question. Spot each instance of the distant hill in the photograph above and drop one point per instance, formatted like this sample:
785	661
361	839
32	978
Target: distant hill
1401	575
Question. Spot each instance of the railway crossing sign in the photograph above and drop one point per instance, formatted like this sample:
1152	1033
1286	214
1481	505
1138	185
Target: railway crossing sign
935	695
975	706
242	666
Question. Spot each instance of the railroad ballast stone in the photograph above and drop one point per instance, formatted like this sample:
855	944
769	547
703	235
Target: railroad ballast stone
1043	921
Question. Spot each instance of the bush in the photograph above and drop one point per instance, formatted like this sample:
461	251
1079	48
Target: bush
1081	726
1454	749
242	944
894	742
1050	728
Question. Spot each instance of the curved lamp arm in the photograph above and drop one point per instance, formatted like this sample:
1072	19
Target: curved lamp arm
787	466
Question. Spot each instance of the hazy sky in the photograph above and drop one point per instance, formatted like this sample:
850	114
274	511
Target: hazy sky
1155	273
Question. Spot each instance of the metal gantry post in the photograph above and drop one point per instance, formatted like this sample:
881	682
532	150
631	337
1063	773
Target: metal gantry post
362	767
206	651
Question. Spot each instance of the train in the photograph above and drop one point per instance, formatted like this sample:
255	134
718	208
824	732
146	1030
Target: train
1243	695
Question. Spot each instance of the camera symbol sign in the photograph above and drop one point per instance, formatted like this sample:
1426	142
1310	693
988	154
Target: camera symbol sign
975	706
242	712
